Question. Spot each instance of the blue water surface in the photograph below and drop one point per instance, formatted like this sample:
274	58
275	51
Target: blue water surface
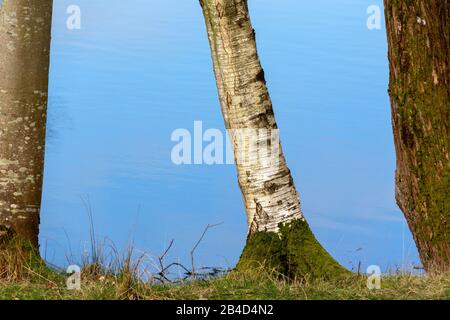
139	69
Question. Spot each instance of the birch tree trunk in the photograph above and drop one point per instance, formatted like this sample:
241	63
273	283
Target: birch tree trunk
24	65
418	40
278	233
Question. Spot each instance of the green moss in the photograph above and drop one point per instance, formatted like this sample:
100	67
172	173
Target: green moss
293	252
421	101
263	249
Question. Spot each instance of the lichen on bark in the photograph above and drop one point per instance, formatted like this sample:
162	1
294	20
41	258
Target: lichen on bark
25	27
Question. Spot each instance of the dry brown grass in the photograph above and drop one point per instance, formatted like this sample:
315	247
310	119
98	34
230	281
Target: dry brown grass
17	261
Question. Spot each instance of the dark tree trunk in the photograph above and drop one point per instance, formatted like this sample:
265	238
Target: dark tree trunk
24	65
418	40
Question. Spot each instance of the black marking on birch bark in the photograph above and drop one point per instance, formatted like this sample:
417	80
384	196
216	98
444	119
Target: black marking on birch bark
261	119
271	187
229	100
220	10
259	219
261	76
291	180
254	35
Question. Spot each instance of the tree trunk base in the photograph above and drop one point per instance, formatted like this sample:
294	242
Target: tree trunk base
293	252
18	259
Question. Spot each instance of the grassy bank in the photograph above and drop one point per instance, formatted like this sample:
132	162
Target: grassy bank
231	286
23	275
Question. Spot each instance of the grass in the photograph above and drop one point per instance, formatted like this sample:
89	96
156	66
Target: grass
37	281
113	276
232	286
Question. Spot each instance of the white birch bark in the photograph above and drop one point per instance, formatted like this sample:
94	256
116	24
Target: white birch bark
267	186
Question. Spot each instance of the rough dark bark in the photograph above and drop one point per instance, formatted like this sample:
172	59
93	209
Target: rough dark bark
272	203
418	40
24	65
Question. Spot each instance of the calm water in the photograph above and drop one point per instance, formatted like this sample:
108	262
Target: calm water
137	70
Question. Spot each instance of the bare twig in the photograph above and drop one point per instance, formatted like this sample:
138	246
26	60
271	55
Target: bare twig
209	226
177	264
162	270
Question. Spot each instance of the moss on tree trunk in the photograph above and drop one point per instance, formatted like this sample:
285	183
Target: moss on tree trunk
418	40
293	252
